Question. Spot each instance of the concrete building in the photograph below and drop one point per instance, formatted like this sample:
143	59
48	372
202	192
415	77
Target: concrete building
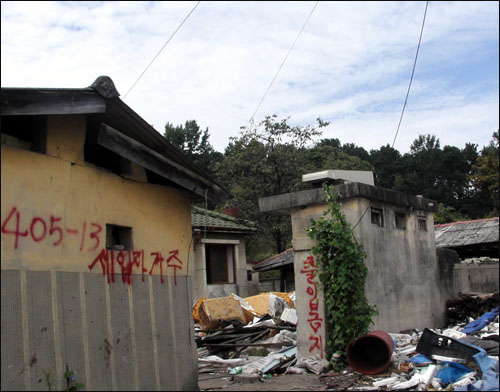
96	245
220	261
396	231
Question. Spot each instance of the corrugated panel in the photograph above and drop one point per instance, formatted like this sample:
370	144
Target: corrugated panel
112	336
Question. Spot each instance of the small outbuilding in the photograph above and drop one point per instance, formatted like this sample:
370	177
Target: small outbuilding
220	260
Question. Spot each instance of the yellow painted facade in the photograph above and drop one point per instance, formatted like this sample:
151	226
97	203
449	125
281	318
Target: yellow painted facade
55	208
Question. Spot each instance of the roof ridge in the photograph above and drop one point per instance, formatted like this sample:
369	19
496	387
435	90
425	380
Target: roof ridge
463	222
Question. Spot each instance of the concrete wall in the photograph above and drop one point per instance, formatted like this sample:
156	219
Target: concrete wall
119	320
201	287
403	273
456	277
476	278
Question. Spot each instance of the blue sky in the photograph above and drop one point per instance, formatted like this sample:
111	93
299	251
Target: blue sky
351	66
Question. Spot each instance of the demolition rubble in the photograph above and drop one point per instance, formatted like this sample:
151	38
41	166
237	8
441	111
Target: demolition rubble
254	339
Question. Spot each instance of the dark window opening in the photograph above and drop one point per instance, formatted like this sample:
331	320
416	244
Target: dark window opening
118	237
422	223
377	217
249	275
400	220
27	132
220	264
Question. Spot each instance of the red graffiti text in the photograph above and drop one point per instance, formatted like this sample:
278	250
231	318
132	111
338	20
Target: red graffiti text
49	228
315	322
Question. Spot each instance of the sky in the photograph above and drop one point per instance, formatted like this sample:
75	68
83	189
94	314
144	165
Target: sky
350	66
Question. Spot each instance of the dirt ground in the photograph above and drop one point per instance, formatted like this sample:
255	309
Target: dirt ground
336	381
284	382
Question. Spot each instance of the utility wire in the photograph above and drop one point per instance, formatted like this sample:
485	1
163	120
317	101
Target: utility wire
163	47
412	72
282	63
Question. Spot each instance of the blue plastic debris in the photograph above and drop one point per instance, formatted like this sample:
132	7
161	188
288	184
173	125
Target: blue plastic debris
481	322
451	372
420	359
489	382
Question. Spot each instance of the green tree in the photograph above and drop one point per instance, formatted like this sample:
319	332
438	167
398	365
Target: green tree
485	175
194	142
387	163
264	161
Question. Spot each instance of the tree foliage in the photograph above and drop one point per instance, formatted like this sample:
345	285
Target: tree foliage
193	141
266	161
271	158
485	174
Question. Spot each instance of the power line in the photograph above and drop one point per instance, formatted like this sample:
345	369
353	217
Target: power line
163	47
282	63
412	72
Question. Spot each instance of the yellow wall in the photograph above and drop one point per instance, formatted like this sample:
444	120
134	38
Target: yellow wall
48	196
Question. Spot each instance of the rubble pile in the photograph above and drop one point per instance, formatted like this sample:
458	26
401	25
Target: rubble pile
255	337
469	306
252	336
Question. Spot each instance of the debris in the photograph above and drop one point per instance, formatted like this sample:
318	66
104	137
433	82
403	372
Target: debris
469	305
481	322
371	353
272	304
213	312
289	315
196	307
316	365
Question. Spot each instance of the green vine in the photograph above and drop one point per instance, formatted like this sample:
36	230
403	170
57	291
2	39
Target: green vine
342	275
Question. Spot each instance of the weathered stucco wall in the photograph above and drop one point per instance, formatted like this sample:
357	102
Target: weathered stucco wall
402	279
403	274
119	320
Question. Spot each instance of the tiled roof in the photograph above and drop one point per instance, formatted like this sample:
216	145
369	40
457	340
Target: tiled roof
217	221
276	261
463	233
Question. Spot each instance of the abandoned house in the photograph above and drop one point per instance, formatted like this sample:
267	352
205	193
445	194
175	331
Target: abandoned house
470	239
468	255
396	231
221	266
95	244
282	262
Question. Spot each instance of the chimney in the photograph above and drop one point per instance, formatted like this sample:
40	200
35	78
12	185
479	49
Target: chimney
231	211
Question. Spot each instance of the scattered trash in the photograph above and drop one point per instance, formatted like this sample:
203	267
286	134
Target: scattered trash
255	338
371	353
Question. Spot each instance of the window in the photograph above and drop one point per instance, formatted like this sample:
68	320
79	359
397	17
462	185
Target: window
377	217
249	275
220	264
422	223
400	221
118	237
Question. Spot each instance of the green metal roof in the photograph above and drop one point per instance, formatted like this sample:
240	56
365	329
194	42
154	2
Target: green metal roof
217	221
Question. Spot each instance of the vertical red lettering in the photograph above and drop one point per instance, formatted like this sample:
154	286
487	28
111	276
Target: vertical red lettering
54	229
170	263
102	258
158	260
95	235
16	232
32	229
